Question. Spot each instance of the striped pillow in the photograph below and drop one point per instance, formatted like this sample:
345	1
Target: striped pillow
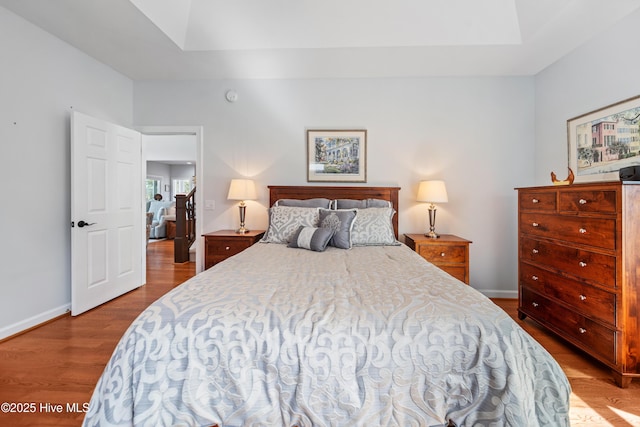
312	238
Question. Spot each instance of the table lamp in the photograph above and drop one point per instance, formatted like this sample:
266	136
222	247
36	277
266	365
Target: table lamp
242	189
432	192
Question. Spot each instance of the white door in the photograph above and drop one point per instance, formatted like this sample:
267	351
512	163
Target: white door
106	212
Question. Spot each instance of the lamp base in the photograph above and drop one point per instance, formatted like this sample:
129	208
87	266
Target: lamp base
432	223
242	208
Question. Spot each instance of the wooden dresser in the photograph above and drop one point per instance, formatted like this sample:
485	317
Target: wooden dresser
579	268
449	253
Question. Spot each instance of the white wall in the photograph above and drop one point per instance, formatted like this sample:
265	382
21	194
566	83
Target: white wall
161	151
168	172
43	79
475	133
163	171
162	148
600	73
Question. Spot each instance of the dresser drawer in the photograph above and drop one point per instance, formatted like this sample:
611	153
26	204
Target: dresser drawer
585	333
595	201
448	252
459	273
226	247
598	232
591	266
222	244
443	253
586	299
537	201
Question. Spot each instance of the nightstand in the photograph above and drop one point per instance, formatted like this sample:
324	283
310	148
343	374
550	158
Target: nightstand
220	245
448	252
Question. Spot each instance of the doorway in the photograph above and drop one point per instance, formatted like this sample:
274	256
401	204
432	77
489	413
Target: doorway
172	159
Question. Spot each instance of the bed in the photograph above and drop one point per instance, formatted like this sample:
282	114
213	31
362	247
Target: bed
297	334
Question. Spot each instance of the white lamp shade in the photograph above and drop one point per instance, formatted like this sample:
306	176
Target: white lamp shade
242	189
432	192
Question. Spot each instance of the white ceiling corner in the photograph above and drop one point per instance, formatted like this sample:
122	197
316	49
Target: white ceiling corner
172	17
220	25
222	39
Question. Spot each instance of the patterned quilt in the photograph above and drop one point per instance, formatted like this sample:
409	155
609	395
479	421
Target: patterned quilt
371	336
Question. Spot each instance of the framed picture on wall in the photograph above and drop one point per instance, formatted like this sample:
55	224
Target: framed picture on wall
337	155
605	140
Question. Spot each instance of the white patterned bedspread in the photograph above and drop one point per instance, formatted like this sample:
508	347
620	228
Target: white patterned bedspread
372	336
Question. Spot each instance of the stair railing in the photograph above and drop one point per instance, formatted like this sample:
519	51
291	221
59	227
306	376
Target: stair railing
185	226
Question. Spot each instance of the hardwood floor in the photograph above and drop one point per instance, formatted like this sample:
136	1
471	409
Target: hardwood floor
60	362
54	367
596	401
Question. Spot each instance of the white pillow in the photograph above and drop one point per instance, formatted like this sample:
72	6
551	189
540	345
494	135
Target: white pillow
373	227
284	221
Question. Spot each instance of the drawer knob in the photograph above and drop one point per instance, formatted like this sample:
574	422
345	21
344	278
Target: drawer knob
535	304
535	224
583	298
535	201
534	278
582	230
582	201
227	248
442	254
582	264
582	330
535	251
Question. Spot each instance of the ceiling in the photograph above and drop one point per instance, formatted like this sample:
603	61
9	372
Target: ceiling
227	39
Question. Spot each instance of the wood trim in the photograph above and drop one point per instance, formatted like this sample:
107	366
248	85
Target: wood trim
303	192
34	327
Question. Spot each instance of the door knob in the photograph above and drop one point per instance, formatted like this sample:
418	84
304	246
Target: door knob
84	224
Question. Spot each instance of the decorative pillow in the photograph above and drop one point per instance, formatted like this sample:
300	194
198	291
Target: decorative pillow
361	204
306	203
373	227
379	203
314	239
284	221
341	222
349	204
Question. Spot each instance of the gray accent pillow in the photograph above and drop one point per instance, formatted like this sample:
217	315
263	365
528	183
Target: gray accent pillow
314	239
361	204
341	222
373	227
285	220
379	203
304	203
350	204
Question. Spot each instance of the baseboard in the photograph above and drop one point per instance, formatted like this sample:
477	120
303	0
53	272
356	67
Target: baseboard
33	322
496	293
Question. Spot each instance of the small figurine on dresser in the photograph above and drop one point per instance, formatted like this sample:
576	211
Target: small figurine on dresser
567	181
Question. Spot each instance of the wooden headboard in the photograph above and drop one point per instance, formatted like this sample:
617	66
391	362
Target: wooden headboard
277	192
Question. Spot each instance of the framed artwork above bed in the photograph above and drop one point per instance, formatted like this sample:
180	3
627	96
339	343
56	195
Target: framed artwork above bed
337	155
